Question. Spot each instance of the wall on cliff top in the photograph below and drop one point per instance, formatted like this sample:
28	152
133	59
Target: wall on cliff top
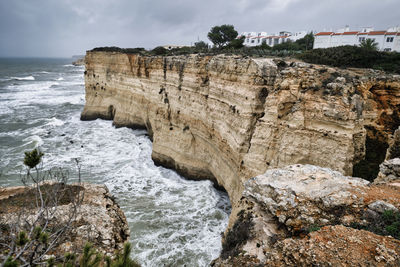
229	118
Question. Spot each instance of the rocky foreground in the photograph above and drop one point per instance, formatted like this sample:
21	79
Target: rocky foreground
98	218
304	215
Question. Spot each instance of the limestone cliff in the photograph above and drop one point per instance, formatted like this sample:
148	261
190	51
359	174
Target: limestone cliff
229	118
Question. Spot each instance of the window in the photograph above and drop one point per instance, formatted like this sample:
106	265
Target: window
252	41
387	49
258	40
247	40
361	39
389	39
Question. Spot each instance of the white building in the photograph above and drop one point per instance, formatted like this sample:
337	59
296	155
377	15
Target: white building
387	40
257	38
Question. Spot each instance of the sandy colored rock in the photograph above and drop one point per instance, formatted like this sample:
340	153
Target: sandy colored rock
79	62
389	171
282	206
98	220
336	246
229	118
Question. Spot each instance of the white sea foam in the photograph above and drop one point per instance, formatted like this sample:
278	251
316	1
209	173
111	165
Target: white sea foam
44	93
173	221
32	86
55	122
60	79
35	140
27	78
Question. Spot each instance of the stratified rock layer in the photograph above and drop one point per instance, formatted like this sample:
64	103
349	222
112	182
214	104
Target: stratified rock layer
229	118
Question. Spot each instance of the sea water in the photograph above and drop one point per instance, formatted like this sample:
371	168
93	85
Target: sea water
173	221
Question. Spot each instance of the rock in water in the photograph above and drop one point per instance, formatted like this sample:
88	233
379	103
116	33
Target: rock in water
79	62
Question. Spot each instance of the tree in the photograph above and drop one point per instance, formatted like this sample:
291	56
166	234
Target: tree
237	43
222	35
369	44
288	45
307	42
201	45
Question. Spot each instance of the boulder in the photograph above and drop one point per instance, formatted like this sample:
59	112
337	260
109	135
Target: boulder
304	215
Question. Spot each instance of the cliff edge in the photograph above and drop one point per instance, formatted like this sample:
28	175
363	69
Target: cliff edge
229	118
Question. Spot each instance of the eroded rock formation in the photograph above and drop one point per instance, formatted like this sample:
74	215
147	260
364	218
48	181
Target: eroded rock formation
229	118
282	213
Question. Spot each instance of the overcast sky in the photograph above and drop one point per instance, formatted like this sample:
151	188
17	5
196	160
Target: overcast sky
69	27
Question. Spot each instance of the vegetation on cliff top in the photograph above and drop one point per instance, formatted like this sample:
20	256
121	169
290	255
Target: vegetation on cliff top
353	56
222	35
342	56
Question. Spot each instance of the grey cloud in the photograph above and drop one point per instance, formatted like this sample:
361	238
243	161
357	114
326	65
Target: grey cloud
66	27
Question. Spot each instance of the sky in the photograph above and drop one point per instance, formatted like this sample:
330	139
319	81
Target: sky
62	28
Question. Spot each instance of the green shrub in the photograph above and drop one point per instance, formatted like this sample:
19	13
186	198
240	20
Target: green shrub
33	158
22	238
123	259
10	263
201	45
353	56
159	51
292	46
314	228
387	223
137	50
237	235
90	257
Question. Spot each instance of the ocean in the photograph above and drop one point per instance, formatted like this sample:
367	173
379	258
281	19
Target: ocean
173	221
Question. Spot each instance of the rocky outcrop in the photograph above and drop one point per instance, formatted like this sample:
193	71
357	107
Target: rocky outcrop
285	209
389	171
229	118
97	219
79	62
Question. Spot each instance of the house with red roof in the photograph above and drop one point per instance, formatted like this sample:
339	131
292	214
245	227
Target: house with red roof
388	40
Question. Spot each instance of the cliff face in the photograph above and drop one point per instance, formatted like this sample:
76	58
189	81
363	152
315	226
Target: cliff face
228	118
